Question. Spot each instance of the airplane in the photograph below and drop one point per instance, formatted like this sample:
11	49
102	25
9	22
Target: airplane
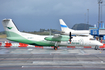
13	34
66	30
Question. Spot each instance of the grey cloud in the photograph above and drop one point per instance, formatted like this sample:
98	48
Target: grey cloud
49	11
46	7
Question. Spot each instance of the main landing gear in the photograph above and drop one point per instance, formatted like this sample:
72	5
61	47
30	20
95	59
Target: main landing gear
55	47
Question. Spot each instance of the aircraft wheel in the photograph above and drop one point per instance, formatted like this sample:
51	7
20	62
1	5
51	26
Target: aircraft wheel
96	47
55	47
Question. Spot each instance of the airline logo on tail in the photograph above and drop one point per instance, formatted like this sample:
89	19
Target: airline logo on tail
63	26
9	27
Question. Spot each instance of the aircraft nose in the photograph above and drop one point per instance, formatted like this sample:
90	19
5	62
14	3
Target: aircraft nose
100	44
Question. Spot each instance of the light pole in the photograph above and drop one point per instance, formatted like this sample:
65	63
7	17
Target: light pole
85	18
88	16
99	2
101	13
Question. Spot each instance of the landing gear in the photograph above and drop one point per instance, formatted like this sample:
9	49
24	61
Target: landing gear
96	47
55	47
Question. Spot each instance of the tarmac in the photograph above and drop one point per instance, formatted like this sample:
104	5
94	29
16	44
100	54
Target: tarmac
49	59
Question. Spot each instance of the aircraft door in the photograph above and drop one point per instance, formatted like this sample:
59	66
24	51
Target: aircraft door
81	42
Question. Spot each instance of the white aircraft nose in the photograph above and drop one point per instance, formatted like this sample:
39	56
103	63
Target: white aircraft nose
97	43
100	44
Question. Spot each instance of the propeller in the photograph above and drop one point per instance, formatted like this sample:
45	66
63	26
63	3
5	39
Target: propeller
70	37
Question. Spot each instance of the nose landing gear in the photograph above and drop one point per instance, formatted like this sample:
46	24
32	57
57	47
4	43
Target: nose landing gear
96	47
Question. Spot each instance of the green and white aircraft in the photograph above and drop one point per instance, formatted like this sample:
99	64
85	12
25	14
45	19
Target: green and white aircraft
41	40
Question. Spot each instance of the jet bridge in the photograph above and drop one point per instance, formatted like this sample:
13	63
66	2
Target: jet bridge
98	32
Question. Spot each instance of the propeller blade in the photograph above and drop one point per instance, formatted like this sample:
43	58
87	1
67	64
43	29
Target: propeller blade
70	37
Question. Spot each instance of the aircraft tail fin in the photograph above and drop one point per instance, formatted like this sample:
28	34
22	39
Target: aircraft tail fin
10	28
64	27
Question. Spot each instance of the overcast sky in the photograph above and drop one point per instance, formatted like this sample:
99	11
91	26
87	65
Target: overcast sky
33	15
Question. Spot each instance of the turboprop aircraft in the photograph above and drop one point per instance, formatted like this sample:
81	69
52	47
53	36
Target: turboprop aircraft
41	40
66	30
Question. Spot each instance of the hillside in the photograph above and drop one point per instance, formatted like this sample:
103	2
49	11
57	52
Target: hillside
81	26
3	36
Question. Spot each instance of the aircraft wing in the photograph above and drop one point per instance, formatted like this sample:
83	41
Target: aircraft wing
57	38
